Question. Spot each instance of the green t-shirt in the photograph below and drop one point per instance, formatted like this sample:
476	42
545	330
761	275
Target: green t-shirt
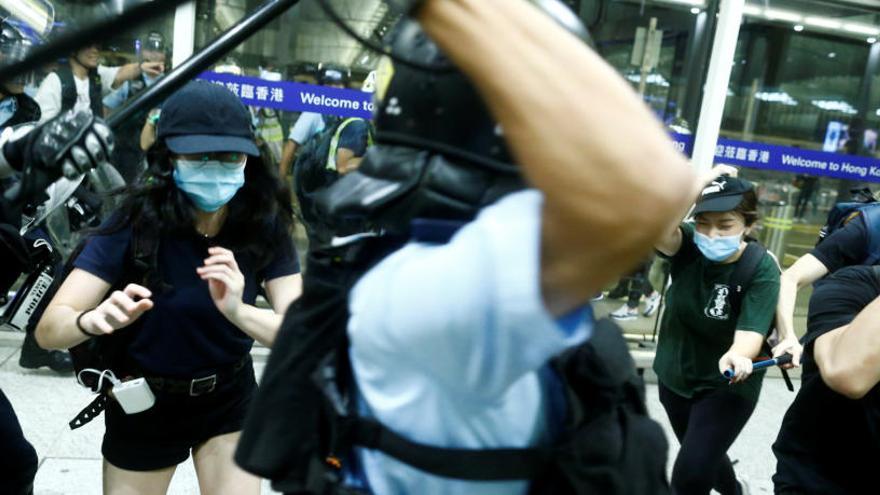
697	328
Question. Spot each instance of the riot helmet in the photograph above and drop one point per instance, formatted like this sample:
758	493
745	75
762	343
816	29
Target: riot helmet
14	47
440	154
332	74
153	42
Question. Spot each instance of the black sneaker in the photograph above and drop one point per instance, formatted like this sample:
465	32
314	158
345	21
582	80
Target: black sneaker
33	356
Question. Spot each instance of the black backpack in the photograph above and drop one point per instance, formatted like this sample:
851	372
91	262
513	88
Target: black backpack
302	428
312	175
866	208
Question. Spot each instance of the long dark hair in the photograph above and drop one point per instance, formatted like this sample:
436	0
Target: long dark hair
260	211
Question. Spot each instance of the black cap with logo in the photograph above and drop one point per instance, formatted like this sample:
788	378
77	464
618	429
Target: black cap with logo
723	194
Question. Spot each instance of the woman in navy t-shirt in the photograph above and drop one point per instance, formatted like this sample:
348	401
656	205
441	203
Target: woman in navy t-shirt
206	226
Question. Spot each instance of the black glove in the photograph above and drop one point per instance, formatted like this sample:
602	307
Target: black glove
69	145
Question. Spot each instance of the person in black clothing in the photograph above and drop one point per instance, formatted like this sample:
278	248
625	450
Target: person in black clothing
217	221
829	442
845	247
128	157
808	186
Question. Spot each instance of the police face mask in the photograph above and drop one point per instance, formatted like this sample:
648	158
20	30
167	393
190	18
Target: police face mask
717	248
209	184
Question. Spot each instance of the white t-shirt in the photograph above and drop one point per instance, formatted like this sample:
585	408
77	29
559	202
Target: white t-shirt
49	94
449	344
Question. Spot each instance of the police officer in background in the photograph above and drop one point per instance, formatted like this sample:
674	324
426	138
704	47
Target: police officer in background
509	232
128	157
17	108
34	157
310	123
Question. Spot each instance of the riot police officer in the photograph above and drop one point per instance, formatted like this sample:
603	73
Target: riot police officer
30	159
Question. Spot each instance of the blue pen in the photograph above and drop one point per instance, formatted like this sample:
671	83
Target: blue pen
783	359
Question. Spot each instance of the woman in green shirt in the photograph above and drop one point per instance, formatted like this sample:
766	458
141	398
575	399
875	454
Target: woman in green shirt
700	338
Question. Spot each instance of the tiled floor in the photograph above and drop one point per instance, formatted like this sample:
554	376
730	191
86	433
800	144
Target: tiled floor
70	461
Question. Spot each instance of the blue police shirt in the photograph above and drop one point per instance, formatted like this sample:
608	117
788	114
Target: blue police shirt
117	98
184	335
449	344
307	125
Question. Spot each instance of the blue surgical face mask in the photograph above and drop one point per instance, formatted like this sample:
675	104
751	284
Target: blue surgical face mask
717	248
208	184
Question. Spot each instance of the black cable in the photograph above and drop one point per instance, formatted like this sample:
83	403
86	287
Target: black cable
339	21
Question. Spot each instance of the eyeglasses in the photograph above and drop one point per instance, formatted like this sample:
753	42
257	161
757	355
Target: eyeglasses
229	160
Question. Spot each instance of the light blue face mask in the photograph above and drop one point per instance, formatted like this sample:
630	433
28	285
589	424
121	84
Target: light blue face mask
208	184
717	248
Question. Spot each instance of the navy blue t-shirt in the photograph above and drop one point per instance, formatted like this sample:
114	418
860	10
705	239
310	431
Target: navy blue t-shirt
185	335
355	137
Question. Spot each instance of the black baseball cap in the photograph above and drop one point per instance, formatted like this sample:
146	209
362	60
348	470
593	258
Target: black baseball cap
203	118
723	194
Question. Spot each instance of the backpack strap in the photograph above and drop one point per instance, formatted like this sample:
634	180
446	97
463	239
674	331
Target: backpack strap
871	217
68	87
742	275
462	464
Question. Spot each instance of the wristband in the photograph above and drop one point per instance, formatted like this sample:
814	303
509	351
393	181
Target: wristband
79	324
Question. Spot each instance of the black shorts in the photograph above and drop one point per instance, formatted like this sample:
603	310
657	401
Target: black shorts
164	435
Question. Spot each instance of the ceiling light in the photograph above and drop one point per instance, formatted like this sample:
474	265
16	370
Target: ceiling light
776	97
695	10
823	22
782	15
798	27
699	3
852	27
872	40
835	106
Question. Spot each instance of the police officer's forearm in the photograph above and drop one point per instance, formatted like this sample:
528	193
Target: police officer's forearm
612	180
126	73
260	324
